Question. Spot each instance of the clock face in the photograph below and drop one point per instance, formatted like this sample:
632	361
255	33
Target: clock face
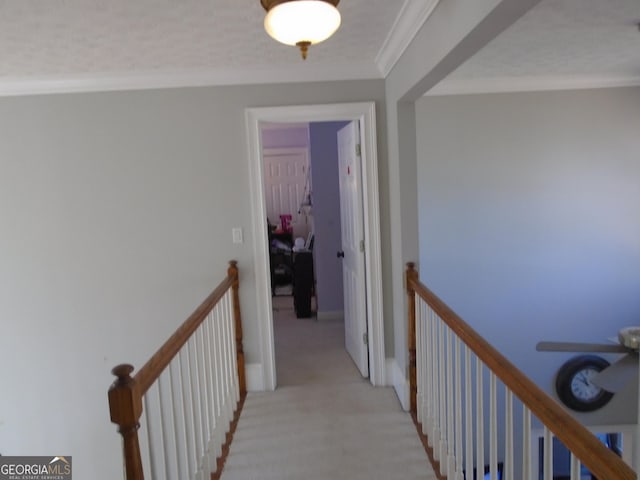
581	386
575	387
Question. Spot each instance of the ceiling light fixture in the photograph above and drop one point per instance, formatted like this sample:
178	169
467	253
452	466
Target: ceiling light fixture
301	22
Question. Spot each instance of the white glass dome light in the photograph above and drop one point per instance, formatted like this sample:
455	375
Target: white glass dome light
302	22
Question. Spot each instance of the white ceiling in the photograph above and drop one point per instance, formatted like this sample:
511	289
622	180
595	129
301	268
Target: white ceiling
557	44
211	41
68	45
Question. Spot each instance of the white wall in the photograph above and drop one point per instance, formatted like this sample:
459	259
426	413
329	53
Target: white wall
116	212
529	215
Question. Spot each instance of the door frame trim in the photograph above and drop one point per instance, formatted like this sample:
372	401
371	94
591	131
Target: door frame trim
365	113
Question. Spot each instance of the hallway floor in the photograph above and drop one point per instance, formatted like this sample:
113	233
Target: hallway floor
324	421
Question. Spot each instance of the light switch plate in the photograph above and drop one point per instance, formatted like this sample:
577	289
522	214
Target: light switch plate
237	235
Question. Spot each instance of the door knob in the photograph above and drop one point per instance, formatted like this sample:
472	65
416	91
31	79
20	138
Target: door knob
340	254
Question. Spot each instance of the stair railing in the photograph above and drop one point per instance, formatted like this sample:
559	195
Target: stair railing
188	395
455	376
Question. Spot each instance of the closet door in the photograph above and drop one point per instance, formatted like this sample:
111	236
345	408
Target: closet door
286	173
352	253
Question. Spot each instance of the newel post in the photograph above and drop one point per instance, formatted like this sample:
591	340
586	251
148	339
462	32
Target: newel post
235	287
411	276
125	406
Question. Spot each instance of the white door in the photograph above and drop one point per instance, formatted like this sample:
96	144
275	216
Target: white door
353	266
285	181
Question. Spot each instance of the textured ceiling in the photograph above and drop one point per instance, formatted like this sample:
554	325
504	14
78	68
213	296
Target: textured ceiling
85	44
558	43
97	37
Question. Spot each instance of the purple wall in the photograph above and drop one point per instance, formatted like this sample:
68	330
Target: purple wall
326	214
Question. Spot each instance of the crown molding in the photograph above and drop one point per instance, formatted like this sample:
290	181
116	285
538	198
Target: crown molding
529	84
412	16
17	86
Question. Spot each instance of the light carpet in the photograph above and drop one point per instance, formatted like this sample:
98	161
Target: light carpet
324	421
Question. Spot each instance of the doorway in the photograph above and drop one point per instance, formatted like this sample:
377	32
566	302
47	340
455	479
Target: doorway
263	377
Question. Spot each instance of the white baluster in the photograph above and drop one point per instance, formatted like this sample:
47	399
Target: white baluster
458	404
234	356
493	427
218	378
575	467
196	399
163	430
214	381
435	385
548	455
212	440
450	437
226	410
229	374
508	436
429	383
177	413
419	360
468	412
526	445
479	416
204	400
187	390
153	458
143	438
442	402
226	388
224	370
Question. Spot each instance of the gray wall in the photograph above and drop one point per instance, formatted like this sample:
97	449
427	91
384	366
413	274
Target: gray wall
116	213
529	217
454	31
326	215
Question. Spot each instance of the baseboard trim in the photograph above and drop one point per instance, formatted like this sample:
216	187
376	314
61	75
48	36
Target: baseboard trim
255	377
331	315
397	380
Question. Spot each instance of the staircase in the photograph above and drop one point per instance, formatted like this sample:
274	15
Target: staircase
325	421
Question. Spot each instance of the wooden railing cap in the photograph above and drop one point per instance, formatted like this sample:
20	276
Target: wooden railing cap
123	371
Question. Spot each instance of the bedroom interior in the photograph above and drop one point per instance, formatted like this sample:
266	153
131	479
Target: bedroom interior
302	203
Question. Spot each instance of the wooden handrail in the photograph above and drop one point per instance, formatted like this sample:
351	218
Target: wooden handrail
126	393
151	370
601	461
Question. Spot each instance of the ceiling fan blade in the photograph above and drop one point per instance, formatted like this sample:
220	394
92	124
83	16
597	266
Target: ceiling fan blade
579	347
616	376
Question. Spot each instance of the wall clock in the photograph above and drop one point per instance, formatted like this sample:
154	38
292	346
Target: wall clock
574	386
